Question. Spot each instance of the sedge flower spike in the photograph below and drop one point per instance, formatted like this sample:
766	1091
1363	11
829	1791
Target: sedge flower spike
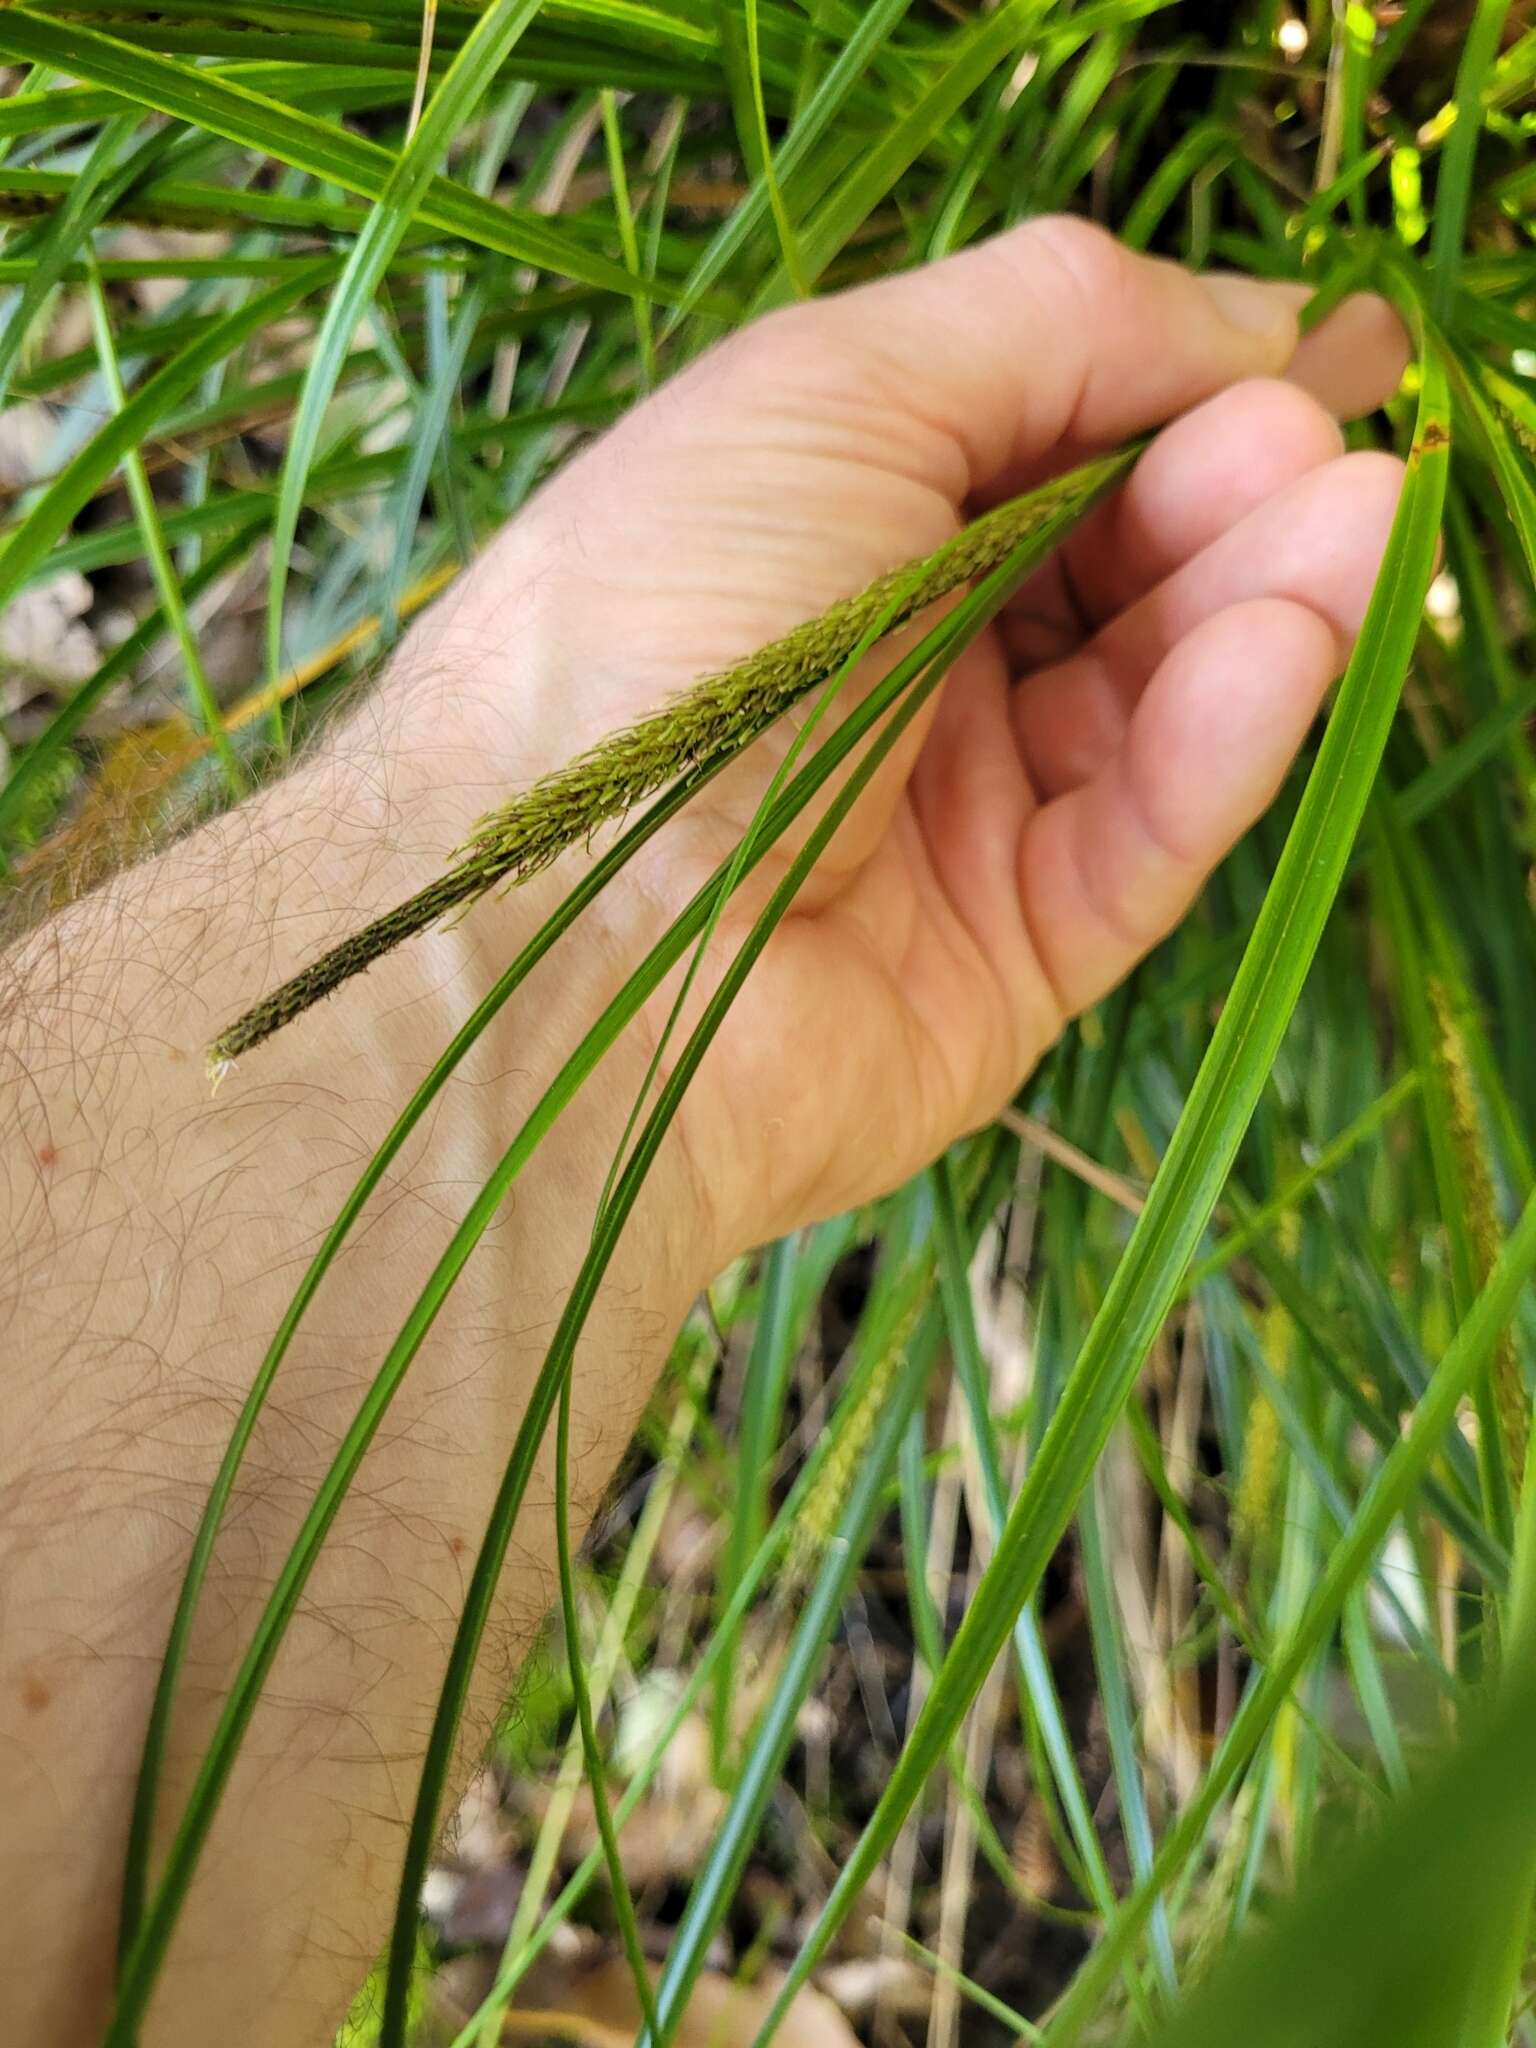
712	720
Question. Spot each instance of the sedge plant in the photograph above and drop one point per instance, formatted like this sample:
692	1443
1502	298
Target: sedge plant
1273	1275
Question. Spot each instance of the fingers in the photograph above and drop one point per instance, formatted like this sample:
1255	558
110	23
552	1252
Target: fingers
1355	360
1202	476
1108	869
1317	542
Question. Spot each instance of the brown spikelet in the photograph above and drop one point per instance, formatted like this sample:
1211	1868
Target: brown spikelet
717	716
1032	1852
1470	1152
117	821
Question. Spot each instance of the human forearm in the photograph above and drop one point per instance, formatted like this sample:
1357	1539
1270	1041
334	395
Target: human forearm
154	1237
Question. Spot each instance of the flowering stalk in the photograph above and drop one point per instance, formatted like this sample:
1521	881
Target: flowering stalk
712	720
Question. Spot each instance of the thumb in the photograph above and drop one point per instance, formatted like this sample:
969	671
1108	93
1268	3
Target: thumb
1052	332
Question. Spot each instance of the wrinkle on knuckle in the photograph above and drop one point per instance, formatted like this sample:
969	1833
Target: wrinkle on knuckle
1085	277
1090	267
778	348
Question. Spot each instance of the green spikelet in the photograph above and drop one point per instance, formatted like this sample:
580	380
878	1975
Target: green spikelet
360	2028
1213	1917
717	717
1470	1152
725	712
817	1523
1263	1445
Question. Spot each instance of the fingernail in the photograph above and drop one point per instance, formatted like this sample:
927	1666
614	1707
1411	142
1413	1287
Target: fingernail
1256	306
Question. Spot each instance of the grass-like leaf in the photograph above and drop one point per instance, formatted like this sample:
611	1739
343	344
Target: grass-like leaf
1190	1179
1347	1563
327	151
388	221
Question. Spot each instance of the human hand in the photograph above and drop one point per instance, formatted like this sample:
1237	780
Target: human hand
1089	760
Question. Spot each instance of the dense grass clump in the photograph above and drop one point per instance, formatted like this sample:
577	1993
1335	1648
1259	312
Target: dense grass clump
1108	1531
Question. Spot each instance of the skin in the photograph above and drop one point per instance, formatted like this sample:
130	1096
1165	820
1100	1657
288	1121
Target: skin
1085	765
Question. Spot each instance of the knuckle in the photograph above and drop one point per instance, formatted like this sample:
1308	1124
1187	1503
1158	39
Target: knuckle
743	369
1088	259
771	345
